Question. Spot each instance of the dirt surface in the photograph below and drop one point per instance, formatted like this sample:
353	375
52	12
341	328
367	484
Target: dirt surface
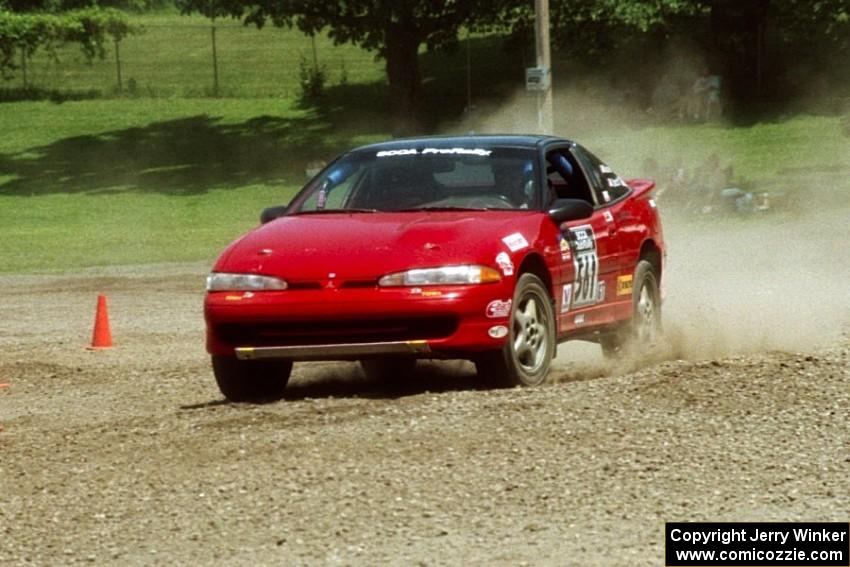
131	457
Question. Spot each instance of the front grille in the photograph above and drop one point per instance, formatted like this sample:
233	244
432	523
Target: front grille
298	333
349	284
303	285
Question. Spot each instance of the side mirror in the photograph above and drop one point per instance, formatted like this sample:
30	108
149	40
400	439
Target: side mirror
272	213
563	210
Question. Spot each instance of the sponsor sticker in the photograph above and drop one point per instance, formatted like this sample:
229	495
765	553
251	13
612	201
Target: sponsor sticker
245	295
600	292
425	292
435	151
564	245
616	182
566	297
392	153
584	238
457	151
606	196
498	309
515	242
605	169
608	216
505	264
579	320
625	284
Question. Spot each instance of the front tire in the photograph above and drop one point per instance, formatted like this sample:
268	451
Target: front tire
527	355
251	380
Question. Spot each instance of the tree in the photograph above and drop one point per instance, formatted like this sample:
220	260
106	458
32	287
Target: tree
47	5
69	5
588	27
750	35
394	29
28	32
746	39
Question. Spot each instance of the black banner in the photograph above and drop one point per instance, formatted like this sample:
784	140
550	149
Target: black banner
803	544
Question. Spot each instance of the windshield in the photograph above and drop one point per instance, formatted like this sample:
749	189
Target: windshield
423	178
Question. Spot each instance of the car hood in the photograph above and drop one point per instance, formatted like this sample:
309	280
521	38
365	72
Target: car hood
369	245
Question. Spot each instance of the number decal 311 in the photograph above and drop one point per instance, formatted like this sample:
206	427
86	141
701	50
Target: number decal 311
586	263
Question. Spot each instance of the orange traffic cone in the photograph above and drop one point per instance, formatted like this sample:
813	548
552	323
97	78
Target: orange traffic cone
102	336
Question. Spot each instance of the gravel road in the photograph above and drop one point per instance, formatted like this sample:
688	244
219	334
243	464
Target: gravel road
131	457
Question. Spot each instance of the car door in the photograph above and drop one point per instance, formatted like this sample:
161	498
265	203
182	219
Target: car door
587	270
611	194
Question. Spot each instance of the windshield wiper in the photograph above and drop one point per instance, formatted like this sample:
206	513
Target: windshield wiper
335	211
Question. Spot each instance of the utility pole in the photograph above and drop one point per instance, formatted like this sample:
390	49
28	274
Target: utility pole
544	62
468	73
214	59
118	66
24	66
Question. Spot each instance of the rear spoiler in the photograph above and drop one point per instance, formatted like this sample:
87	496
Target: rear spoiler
641	187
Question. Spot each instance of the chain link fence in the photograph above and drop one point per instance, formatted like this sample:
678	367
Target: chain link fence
192	56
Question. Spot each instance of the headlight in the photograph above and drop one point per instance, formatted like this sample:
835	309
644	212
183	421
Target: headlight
447	275
242	282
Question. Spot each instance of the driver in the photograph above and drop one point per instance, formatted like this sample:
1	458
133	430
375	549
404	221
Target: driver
516	183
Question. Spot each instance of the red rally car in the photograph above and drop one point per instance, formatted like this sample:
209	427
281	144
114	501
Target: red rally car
487	248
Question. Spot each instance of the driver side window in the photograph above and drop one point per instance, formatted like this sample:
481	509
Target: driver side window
565	178
607	184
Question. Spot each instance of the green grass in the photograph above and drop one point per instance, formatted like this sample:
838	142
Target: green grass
61	231
106	182
114	181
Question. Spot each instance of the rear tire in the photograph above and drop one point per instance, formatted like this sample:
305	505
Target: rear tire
388	369
644	327
251	380
527	355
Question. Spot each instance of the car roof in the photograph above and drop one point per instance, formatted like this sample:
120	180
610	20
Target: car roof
479	140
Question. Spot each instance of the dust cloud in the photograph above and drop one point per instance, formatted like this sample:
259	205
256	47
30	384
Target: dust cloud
733	284
756	284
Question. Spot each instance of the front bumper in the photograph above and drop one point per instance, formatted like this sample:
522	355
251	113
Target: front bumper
347	324
341	351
